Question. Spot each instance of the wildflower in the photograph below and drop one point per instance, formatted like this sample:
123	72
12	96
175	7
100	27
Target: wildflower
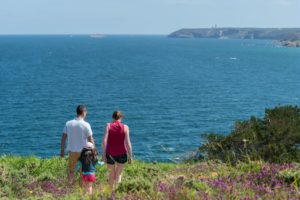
162	187
245	140
214	174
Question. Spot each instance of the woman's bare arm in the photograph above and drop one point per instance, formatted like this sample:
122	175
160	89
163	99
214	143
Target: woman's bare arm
128	143
104	142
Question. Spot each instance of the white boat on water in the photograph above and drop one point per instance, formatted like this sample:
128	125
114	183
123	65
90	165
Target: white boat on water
97	35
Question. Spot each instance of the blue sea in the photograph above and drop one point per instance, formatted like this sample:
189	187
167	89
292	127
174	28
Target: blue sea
171	90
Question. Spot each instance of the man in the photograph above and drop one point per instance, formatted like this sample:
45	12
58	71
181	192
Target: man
79	133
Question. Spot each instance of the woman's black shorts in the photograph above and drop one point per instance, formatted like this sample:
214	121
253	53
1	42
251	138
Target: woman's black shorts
119	159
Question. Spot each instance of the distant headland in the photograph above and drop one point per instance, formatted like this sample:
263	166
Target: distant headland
286	36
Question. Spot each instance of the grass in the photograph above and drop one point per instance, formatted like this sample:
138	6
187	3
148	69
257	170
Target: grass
34	178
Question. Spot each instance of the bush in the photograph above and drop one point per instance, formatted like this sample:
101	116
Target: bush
275	138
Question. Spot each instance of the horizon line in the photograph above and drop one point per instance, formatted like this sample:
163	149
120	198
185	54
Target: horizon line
138	34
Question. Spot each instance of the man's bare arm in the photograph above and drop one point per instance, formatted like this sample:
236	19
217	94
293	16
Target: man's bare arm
91	139
63	142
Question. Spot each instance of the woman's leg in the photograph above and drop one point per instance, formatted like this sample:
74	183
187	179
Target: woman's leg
118	175
112	175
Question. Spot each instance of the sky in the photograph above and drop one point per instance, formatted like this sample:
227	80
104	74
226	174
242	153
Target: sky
142	16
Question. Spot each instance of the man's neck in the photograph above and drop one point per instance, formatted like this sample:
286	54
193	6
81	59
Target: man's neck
80	117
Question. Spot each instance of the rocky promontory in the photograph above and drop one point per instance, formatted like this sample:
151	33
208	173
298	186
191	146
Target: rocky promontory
286	36
290	43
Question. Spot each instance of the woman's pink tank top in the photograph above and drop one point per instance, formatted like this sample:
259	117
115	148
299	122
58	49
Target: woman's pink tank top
116	140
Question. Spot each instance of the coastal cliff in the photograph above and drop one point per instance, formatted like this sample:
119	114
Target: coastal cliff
286	36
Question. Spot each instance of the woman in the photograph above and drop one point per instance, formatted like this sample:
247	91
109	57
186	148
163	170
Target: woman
116	148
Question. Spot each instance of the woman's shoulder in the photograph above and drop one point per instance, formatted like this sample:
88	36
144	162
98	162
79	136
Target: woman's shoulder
126	128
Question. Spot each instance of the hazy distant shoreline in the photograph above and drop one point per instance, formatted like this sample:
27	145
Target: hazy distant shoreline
289	37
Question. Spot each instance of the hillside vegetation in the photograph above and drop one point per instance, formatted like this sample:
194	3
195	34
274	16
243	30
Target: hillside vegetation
34	178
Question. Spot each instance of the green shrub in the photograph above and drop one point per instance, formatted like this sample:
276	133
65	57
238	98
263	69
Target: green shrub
275	138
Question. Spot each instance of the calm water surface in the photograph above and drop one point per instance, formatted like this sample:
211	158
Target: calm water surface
171	90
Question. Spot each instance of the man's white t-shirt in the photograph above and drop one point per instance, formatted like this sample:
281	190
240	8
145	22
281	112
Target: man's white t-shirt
77	131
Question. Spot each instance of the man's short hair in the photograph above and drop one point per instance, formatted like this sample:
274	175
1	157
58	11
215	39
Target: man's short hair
81	109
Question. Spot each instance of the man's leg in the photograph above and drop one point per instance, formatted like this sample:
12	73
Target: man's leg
73	159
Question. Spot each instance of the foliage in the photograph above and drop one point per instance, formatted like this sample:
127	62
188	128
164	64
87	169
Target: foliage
275	138
34	178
